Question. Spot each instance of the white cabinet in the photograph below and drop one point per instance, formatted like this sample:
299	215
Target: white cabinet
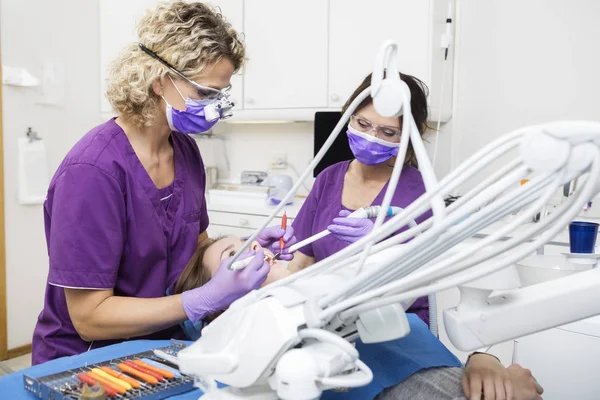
225	221
216	231
356	32
308	56
233	10
287	51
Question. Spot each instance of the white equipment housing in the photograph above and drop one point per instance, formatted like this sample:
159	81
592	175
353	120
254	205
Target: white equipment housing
292	339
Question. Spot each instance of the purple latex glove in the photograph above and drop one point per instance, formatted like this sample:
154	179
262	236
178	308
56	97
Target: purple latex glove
269	239
350	230
226	286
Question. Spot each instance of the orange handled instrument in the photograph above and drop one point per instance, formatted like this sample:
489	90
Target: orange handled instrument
163	372
134	383
106	382
112	379
284	227
156	375
138	374
107	389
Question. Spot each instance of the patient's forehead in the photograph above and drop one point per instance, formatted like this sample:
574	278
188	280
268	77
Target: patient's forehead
220	250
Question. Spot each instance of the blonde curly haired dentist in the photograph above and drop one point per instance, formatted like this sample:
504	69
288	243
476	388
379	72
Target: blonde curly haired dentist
126	208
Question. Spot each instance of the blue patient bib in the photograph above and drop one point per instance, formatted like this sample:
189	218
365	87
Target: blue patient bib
192	330
394	361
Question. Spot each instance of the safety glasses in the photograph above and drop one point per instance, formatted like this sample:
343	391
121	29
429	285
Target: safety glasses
385	132
203	91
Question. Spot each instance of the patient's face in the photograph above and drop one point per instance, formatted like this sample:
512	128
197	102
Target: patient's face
228	246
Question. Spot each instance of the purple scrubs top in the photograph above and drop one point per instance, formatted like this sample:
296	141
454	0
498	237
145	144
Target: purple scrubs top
109	227
324	203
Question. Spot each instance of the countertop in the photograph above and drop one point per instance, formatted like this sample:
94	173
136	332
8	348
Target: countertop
562	239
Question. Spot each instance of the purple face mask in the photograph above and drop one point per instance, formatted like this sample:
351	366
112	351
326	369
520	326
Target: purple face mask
370	150
192	119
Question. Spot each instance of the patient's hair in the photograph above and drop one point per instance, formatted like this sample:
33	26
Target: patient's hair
418	106
196	274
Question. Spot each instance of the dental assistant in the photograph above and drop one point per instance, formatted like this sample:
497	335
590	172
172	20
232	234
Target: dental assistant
407	368
349	185
126	207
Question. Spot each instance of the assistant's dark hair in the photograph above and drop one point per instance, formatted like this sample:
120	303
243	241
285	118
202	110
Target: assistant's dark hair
418	106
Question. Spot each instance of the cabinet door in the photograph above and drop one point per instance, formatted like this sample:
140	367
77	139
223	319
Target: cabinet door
118	20
287	51
233	11
358	28
221	230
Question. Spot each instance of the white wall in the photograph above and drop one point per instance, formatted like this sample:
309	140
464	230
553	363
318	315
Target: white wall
239	147
33	32
517	62
520	63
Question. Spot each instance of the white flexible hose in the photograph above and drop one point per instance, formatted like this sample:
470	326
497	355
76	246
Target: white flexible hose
429	238
433	324
407	256
353	380
556	221
453	180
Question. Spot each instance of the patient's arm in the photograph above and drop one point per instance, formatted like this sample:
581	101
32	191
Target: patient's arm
300	262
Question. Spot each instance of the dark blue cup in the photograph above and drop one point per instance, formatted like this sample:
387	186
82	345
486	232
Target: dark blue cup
582	237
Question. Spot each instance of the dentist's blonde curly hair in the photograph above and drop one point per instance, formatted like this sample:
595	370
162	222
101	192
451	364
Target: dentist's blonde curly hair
189	36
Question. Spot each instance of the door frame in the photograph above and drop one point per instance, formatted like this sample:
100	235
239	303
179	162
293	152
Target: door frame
3	318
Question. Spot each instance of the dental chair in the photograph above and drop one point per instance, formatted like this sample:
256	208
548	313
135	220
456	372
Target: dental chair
292	339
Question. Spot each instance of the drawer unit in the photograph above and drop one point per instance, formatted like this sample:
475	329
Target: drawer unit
232	223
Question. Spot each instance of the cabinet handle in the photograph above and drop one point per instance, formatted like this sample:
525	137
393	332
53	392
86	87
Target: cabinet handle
244	222
249	100
335	98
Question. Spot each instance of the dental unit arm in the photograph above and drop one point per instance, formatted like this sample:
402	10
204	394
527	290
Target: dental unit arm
292	339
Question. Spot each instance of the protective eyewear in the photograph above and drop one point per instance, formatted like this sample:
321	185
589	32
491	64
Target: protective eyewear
203	91
389	133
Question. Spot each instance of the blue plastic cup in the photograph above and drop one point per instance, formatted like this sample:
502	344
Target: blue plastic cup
582	237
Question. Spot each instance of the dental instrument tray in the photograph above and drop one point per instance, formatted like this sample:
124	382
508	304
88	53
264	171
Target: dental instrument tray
69	385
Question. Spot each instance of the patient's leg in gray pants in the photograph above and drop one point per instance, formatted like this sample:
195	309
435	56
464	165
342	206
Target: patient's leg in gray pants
429	384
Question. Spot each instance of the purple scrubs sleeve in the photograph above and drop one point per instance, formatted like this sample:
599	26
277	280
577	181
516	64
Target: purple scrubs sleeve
86	203
324	203
108	227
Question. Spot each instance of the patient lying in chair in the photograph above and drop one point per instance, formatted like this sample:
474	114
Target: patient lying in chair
483	374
